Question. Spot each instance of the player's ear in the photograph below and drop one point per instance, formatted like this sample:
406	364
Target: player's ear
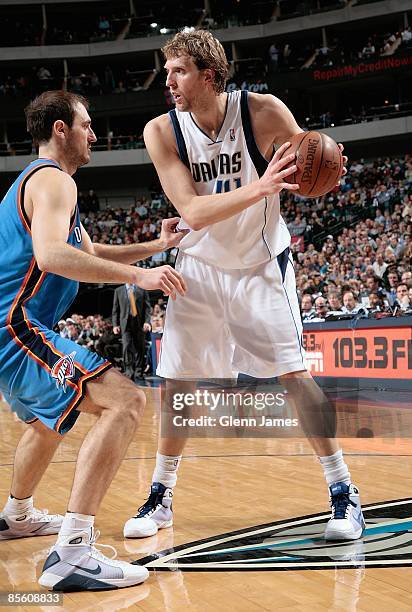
209	75
59	128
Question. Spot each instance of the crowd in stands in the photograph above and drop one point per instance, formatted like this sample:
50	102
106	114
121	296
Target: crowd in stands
93	82
356	257
63	28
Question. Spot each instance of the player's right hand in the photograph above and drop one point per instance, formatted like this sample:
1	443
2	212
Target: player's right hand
164	278
273	180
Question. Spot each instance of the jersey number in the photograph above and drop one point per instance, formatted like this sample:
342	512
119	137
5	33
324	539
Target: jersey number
223	186
78	234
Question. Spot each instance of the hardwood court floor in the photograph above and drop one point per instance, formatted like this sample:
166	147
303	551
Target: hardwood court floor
224	485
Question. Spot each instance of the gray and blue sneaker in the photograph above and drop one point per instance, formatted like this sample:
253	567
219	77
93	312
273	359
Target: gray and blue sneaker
346	522
29	523
75	564
156	513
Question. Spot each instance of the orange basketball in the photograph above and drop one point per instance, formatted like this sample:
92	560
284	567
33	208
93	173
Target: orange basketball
319	163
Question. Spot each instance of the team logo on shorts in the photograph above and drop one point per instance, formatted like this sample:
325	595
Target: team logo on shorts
63	370
299	544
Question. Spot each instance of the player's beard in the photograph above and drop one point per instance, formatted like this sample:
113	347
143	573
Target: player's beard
76	153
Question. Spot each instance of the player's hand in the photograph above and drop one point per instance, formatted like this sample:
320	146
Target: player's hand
146	327
345	161
116	330
169	237
164	278
274	179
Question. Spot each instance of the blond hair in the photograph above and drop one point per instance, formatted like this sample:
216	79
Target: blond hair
206	52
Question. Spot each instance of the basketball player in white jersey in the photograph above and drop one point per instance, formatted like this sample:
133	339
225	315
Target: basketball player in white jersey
214	157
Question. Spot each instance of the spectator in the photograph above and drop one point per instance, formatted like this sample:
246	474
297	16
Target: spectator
62	329
351	306
379	266
402	297
368	50
393	281
274	57
407	36
103	26
92	201
297	227
335	304
131	318
308	311
376	303
321	308
407	278
43	74
142	211
107	344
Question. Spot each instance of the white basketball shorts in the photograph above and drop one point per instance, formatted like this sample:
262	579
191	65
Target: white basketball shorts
233	321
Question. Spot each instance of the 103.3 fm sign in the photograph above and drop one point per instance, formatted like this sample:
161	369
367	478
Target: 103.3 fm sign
362	353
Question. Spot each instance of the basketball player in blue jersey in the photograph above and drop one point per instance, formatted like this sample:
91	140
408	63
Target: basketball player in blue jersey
49	380
214	157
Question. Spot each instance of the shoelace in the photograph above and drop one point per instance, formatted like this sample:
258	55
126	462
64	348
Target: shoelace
149	505
97	554
340	503
42	514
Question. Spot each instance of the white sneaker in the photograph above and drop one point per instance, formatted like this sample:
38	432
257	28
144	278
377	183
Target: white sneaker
33	523
75	564
156	513
346	522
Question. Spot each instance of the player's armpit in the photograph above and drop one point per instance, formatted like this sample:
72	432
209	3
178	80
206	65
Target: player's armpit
51	196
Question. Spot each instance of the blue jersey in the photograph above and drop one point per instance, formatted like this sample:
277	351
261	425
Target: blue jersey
25	291
42	375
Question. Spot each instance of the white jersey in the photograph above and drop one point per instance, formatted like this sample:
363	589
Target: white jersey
256	235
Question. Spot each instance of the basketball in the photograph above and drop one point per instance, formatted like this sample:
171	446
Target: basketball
319	163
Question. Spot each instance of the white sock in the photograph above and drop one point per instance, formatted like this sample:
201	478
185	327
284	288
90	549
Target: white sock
166	469
74	522
335	468
18	507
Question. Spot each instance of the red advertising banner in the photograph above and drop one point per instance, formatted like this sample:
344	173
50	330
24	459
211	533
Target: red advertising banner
363	68
379	352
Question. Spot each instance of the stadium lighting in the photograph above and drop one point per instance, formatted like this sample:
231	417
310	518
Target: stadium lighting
163	30
188	29
153	25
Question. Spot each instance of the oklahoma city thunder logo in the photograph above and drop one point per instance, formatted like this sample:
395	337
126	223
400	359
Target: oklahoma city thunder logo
63	370
298	544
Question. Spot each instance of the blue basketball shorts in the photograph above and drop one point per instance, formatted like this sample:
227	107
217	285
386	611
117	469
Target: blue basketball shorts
43	376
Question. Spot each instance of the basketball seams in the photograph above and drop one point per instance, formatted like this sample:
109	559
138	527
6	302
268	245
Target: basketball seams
319	165
340	164
297	153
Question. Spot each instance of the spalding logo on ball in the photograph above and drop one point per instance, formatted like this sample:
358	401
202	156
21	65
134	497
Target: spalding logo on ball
319	163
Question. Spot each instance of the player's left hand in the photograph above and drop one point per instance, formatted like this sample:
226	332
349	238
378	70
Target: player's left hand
345	161
147	327
169	237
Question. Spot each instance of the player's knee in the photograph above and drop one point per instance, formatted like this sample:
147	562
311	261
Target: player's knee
132	405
